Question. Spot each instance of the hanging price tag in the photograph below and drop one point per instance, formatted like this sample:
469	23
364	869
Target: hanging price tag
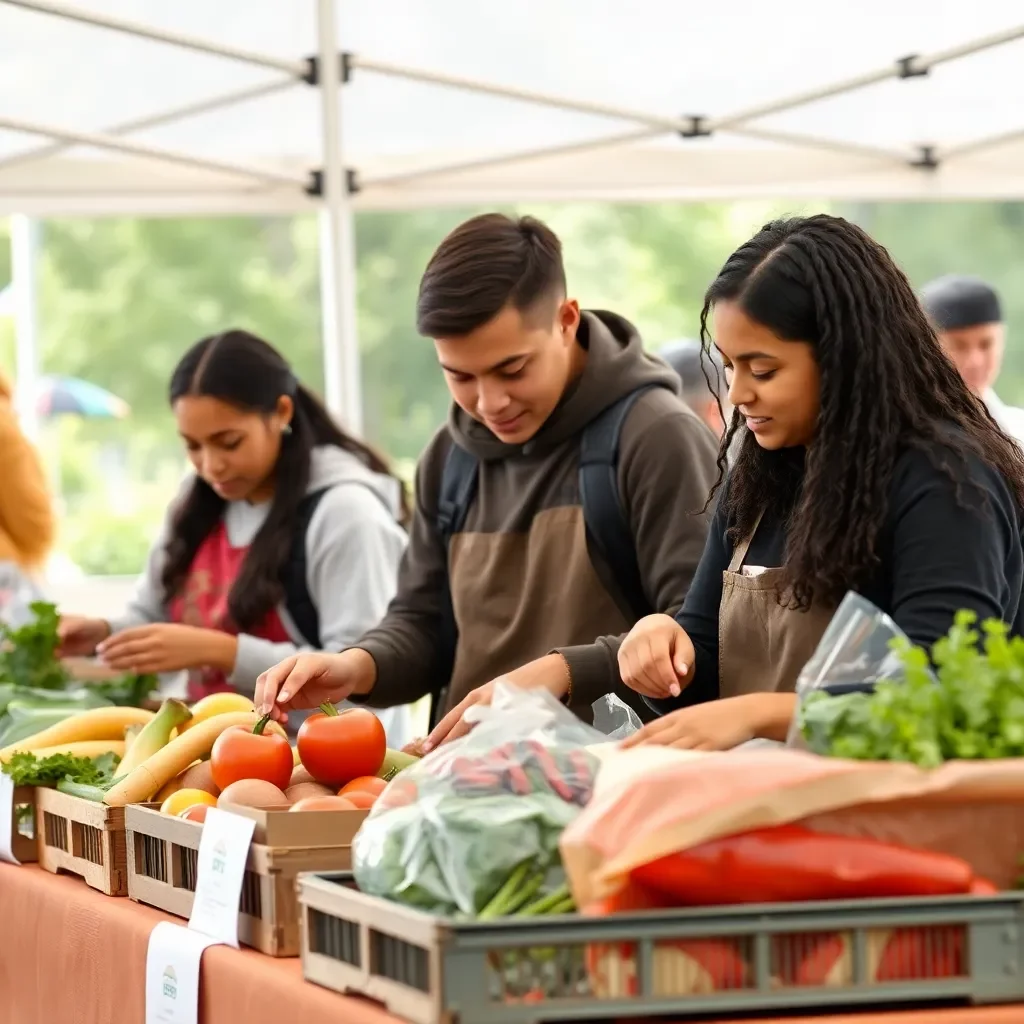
220	871
7	822
172	974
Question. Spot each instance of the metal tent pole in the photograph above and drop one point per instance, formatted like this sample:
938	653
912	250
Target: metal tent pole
342	384
143	31
118	144
24	285
250	92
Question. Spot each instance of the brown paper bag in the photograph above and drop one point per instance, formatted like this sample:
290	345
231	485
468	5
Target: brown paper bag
652	801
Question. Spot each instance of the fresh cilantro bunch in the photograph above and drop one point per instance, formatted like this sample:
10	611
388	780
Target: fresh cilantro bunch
28	659
970	708
28	654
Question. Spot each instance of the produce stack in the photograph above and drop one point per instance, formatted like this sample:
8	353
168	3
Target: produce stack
91	765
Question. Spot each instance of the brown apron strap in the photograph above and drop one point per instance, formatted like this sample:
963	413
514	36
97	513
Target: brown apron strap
740	551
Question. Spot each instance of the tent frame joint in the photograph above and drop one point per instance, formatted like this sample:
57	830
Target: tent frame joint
696	128
926	159
312	75
908	67
315	186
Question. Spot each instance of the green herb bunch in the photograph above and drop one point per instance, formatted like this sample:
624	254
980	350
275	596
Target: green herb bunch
28	654
970	708
29	661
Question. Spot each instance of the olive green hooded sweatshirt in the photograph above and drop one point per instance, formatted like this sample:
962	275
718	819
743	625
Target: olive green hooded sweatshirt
523	580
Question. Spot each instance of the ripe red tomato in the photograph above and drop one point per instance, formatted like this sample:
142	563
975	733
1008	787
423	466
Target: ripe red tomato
197	812
239	753
364	784
336	748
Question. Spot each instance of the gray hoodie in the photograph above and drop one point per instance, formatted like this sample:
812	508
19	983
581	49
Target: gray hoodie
353	547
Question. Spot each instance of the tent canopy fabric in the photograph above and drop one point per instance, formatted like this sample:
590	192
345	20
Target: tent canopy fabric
458	101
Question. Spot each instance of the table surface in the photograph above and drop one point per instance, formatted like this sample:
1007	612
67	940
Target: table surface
70	954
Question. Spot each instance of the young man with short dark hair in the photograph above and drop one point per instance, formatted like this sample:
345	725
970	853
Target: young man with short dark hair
558	505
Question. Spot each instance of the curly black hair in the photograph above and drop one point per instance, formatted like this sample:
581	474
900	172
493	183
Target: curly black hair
885	386
245	371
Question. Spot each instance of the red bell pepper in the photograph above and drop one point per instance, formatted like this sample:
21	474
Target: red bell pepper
792	863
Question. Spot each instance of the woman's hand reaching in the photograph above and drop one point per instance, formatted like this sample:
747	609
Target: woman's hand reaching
656	658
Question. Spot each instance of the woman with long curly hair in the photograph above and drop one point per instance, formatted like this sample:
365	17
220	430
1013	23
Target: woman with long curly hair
287	536
864	464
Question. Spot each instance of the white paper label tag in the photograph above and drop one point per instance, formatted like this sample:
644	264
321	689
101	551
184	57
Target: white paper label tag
172	974
7	822
220	871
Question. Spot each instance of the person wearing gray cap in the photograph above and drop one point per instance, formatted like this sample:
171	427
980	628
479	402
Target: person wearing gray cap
969	322
710	404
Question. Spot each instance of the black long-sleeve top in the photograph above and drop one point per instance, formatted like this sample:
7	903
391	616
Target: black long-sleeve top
940	551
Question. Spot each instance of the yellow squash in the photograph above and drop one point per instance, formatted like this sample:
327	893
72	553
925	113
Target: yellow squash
148	778
213	705
95	724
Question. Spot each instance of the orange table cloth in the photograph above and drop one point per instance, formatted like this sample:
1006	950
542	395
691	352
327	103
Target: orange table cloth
73	955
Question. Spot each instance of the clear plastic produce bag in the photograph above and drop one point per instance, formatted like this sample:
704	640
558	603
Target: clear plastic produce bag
855	653
473	828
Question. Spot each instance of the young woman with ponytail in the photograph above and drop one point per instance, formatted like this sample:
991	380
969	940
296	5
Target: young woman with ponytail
287	536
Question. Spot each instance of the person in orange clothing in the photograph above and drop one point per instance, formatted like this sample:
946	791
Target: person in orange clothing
28	523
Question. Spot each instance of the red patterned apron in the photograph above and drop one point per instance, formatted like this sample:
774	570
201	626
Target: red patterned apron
203	602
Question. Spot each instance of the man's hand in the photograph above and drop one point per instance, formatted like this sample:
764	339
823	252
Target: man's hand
306	681
551	673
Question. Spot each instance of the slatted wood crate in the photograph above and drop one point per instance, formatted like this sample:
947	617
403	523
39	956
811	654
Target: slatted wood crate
23	825
82	838
162	855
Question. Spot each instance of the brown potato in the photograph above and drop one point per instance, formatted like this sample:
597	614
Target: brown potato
199	776
302	790
254	793
299	776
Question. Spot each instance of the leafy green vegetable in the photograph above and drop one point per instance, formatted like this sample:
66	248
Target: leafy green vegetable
29	662
972	708
129	691
28	715
28	653
25	769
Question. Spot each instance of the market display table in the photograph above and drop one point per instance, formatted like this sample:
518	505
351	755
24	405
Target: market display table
73	955
70	954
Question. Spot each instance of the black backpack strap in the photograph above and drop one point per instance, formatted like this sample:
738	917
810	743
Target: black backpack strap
608	529
458	491
294	576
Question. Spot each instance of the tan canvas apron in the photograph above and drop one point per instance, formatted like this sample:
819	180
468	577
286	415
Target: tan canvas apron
762	645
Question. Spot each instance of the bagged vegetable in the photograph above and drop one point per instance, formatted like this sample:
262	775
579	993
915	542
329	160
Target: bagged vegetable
856	652
650	802
473	828
970	706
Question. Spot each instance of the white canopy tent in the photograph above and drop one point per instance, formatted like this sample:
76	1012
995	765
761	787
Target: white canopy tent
142	107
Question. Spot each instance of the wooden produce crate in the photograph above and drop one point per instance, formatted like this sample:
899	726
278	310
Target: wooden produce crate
23	829
82	838
162	854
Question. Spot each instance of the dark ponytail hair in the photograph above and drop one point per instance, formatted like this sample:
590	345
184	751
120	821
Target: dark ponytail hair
885	386
244	371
